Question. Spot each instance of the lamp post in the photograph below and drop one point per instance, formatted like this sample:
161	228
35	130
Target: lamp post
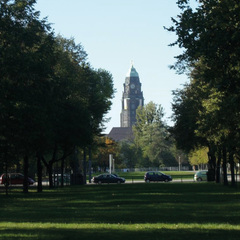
113	165
110	163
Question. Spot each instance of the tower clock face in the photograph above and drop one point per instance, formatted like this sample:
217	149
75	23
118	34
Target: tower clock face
132	86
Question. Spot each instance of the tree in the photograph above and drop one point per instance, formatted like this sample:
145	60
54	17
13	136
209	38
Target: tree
51	100
209	35
26	51
106	146
186	105
199	157
128	154
81	97
151	134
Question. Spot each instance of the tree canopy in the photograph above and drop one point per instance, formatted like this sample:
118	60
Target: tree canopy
211	52
152	137
51	99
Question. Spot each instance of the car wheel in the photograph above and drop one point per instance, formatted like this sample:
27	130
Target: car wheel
118	182
147	181
99	182
199	179
166	180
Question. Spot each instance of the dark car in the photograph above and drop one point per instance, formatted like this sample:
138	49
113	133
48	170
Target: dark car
156	177
14	178
108	178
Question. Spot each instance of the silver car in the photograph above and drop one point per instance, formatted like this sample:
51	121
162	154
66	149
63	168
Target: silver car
200	176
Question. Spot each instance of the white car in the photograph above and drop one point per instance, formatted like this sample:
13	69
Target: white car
200	176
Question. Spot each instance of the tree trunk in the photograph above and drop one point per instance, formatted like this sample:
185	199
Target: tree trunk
231	161
50	173
49	169
62	172
25	170
39	173
84	166
211	165
224	166
90	164
6	175
218	166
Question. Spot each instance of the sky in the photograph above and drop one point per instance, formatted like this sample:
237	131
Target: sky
115	33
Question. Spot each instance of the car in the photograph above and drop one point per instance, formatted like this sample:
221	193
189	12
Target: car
108	178
156	176
200	176
58	178
14	178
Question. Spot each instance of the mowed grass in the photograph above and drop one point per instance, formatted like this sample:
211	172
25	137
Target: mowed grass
172	211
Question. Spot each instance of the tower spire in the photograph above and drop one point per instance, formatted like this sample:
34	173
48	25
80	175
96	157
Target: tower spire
132	71
132	98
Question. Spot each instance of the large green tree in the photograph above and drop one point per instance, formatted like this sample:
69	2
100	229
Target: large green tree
81	98
152	137
209	36
68	116
26	59
52	101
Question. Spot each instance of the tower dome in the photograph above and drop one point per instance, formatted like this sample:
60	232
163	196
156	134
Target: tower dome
132	72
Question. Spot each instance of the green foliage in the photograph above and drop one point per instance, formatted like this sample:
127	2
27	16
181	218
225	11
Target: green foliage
198	156
208	35
151	135
26	47
51	100
128	154
186	107
104	147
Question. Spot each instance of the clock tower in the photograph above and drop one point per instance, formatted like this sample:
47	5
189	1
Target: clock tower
132	98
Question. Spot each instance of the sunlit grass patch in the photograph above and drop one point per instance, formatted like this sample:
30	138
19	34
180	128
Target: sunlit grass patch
95	231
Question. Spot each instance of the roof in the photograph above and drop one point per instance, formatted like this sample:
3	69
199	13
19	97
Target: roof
121	133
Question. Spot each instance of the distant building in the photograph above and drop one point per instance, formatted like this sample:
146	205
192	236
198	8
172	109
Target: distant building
119	133
132	98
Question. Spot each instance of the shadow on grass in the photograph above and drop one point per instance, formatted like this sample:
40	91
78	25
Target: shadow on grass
127	203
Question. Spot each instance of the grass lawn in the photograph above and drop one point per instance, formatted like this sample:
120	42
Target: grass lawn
172	211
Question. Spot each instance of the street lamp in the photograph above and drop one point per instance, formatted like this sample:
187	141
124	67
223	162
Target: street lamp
110	163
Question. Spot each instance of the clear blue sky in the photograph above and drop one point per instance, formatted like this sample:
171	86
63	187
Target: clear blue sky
116	32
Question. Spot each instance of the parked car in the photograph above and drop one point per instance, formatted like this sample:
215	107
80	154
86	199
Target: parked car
200	176
14	178
108	178
58	178
156	177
